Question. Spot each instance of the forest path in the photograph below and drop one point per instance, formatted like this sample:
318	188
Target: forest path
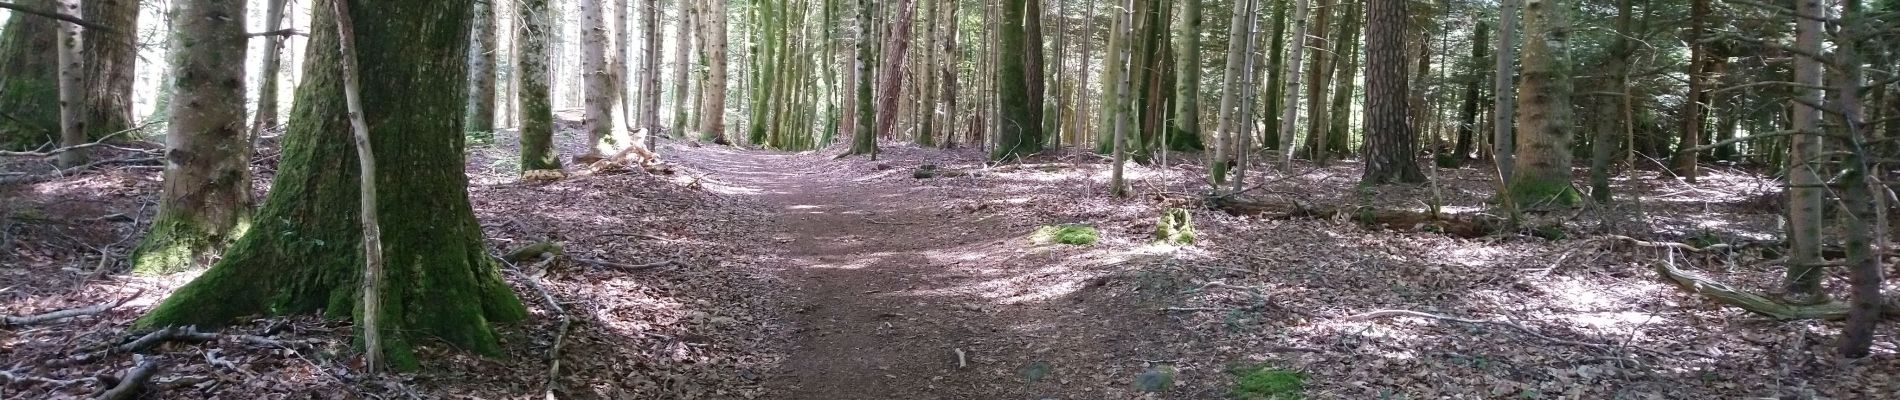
889	285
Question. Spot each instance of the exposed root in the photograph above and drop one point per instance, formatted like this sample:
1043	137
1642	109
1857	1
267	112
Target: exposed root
560	336
631	267
1755	303
191	334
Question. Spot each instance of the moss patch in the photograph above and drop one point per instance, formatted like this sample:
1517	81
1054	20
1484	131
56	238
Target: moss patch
1266	382
1176	227
1533	193
1071	234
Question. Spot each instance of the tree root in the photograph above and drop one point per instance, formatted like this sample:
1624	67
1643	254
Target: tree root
1755	303
191	334
68	313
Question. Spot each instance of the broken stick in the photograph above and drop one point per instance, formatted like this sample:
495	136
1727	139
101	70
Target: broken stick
133	381
69	313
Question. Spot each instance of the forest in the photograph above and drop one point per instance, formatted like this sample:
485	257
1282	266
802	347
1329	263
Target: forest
966	199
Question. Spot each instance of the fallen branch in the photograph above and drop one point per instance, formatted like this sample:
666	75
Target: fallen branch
1673	245
35	178
95	143
11	376
1755	303
69	313
875	221
132	381
1519	327
631	267
1459	225
560	336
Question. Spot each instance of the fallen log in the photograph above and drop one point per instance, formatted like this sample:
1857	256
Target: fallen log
133	381
1458	225
1752	302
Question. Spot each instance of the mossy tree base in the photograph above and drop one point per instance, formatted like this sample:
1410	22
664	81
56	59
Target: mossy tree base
1533	193
1176	227
175	244
303	255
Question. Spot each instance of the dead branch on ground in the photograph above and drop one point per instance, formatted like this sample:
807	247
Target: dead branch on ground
132	382
560	336
630	267
68	313
1459	225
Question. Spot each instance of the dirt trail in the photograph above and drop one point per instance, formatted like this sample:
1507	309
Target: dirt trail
888	286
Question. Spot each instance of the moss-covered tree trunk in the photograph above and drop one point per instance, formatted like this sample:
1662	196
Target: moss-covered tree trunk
600	81
533	103
479	115
441	283
682	62
1391	143
863	134
1020	133
29	89
1542	172
206	198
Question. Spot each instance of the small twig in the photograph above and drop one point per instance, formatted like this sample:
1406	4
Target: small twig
133	380
69	313
11	376
962	361
279	32
1682	246
100	142
56	15
630	267
1514	325
874	221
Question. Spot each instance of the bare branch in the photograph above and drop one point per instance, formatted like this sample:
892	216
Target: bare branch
69	313
55	15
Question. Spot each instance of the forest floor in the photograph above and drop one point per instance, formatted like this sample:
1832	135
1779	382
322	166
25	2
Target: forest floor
807	276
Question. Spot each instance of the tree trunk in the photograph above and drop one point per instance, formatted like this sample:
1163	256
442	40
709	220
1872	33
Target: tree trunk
72	88
1276	56
267	92
1339	72
650	85
891	76
1291	103
1861	185
1692	109
480	117
602	98
1545	113
1318	76
1018	78
1504	104
1034	77
1390	142
1806	197
205	201
29	80
1117	108
109	60
864	136
443	286
682	61
1187	87
712	108
1603	146
1115	71
533	102
1224	122
1468	112
950	75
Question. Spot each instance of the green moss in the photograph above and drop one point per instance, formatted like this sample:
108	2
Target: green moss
1071	234
1176	227
1537	193
1266	382
176	244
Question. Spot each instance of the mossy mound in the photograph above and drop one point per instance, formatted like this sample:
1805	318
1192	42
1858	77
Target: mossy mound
1176	227
1543	193
1070	234
1266	382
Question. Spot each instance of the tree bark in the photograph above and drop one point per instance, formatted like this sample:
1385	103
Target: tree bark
891	78
533	102
1544	109
443	285
1468	112
1806	197
1391	143
109	60
1692	109
864	135
650	86
205	201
